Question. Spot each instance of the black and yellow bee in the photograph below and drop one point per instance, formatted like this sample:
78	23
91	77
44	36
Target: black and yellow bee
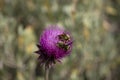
64	37
63	46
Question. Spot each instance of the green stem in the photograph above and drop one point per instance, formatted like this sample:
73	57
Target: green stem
46	73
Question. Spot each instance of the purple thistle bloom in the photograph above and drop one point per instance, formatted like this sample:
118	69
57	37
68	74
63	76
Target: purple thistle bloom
54	44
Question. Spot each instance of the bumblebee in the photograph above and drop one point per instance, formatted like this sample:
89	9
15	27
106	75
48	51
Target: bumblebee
64	37
62	45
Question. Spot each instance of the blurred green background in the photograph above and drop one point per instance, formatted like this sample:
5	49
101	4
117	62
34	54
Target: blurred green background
94	25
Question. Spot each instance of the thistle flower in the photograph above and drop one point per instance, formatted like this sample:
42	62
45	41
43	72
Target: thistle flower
54	44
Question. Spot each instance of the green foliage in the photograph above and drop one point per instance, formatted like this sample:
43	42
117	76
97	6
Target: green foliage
92	23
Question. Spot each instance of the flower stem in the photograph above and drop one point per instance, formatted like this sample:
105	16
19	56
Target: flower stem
46	73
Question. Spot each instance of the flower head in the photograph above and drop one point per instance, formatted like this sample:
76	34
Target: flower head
54	44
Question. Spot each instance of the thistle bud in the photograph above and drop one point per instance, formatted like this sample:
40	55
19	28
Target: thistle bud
54	44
